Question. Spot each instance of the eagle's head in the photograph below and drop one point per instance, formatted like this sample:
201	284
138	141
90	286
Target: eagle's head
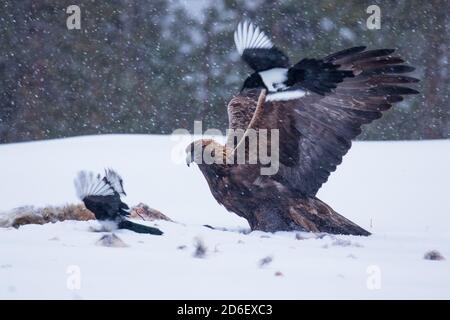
205	151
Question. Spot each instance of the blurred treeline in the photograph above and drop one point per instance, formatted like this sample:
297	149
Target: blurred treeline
155	66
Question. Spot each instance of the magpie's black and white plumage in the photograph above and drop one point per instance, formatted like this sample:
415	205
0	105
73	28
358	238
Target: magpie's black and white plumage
274	72
101	195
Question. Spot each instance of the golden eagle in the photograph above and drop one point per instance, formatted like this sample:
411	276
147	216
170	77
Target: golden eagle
341	92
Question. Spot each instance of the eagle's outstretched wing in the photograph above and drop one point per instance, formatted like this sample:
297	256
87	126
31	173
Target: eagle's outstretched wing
316	131
256	48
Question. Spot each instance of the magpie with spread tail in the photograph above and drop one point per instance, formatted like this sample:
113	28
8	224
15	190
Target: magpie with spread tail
101	195
274	72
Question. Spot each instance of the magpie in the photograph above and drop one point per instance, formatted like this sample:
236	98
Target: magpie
101	195
273	71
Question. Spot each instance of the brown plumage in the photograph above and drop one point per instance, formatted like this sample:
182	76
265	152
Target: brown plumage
315	132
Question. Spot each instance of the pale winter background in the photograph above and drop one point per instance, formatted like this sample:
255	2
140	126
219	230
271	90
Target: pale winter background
154	66
141	69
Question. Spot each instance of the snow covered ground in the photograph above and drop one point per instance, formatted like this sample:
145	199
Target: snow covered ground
397	190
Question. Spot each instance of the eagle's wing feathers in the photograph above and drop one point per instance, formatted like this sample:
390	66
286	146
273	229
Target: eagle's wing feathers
316	131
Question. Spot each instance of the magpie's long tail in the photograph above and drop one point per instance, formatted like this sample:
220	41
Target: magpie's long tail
139	228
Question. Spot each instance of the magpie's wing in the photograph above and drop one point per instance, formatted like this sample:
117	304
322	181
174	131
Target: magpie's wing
114	180
89	184
256	49
124	209
104	207
99	196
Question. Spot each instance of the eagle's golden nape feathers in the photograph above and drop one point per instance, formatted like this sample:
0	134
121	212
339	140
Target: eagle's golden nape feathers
195	150
315	132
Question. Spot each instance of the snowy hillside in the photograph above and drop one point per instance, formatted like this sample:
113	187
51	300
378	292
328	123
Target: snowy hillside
397	190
